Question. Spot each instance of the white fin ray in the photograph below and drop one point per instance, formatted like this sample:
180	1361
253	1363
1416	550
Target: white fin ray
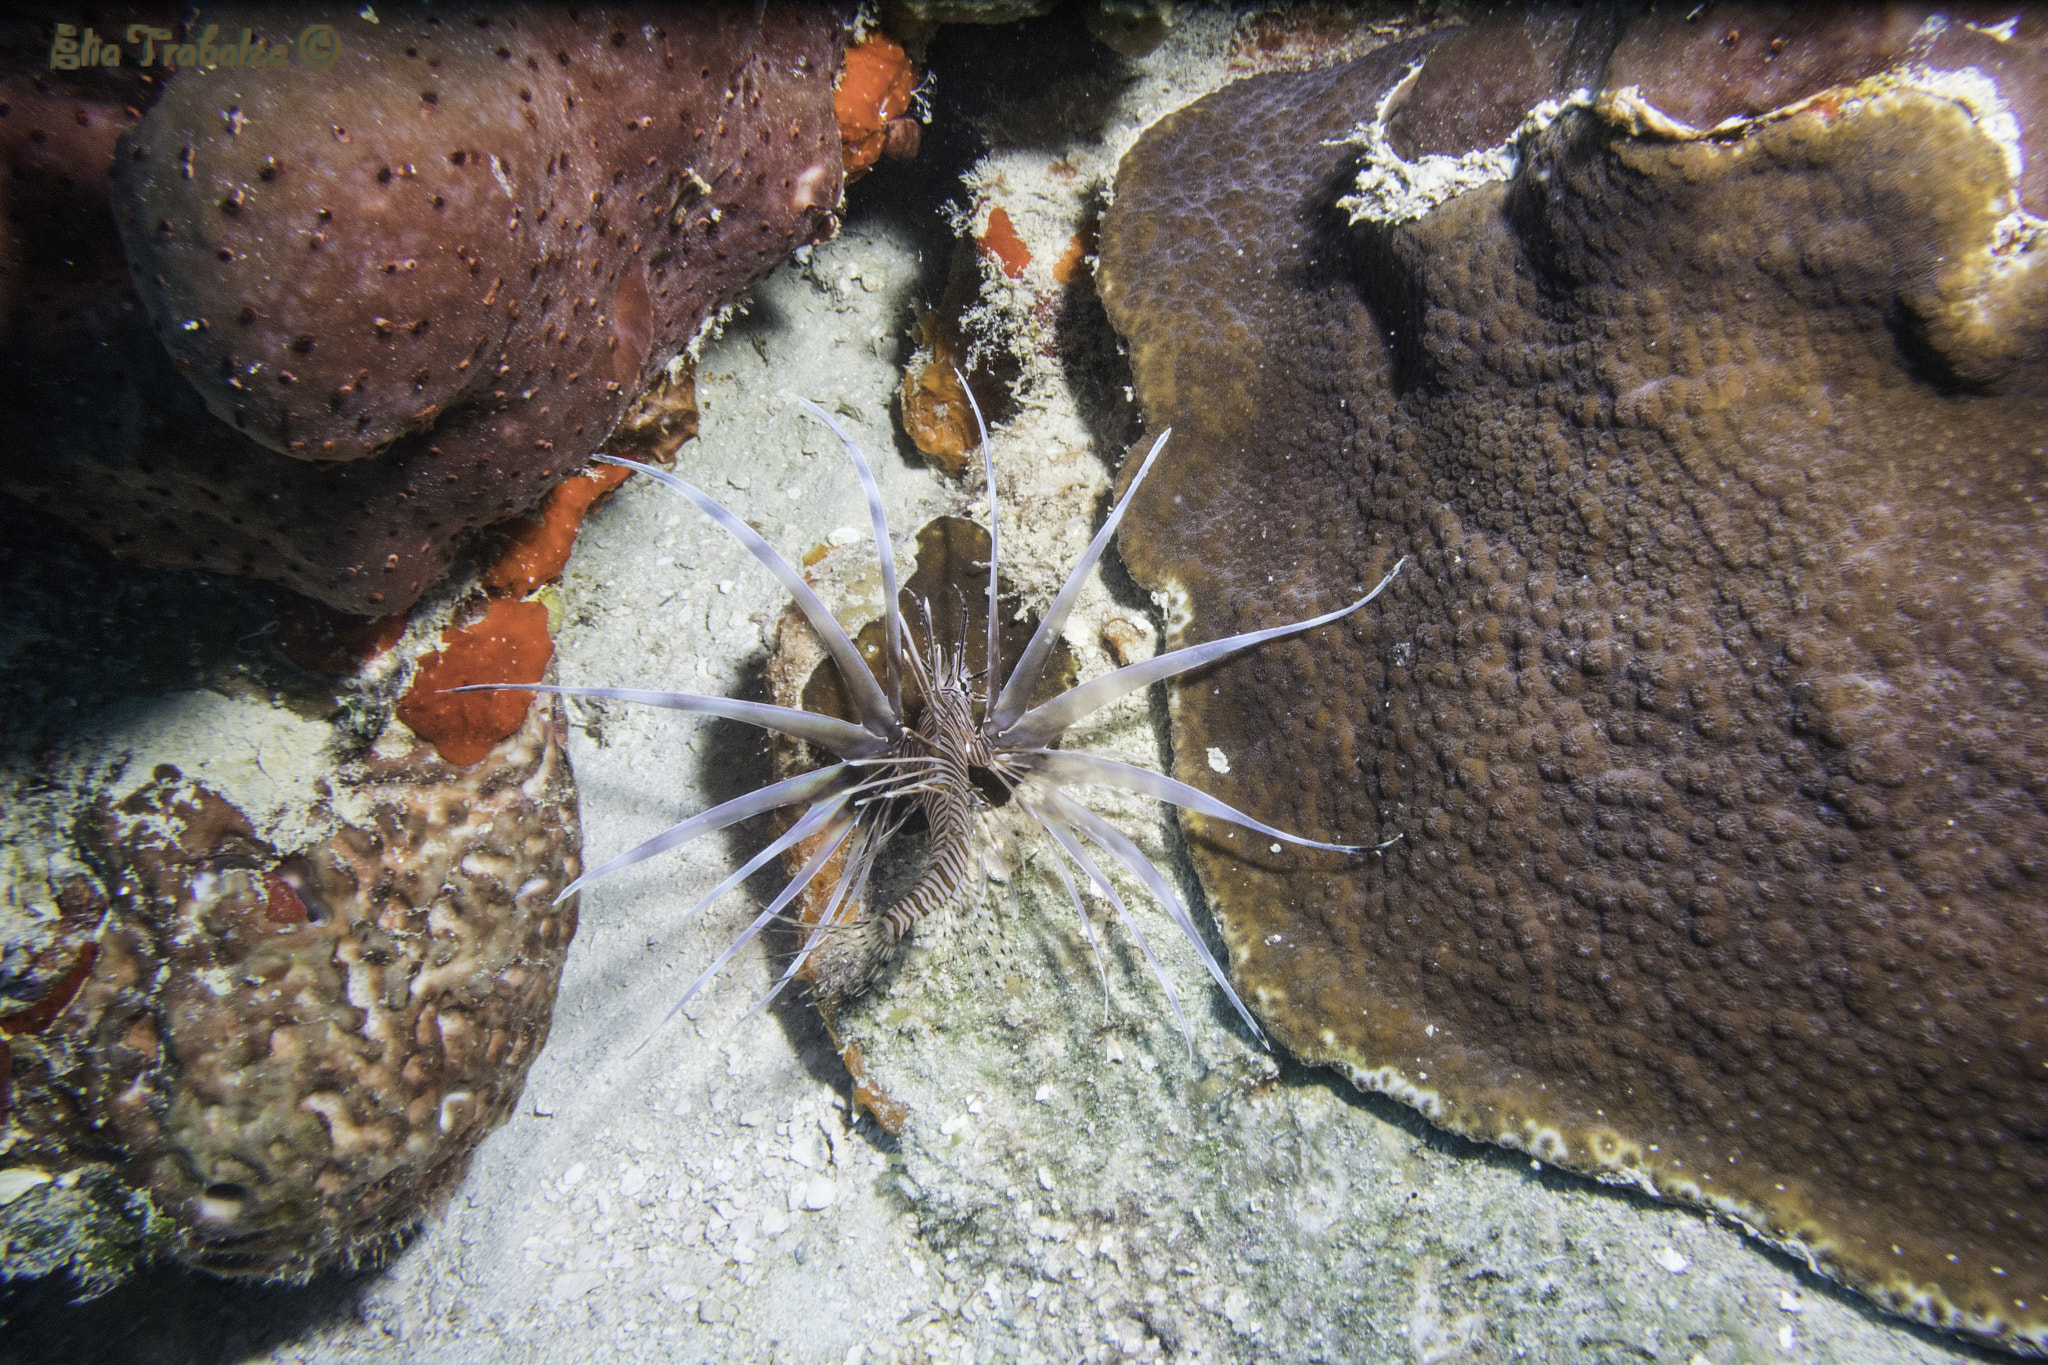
1016	693
804	828
1071	767
1045	723
1087	928
829	733
1055	825
992	661
811	869
878	520
1141	867
852	878
809	787
865	693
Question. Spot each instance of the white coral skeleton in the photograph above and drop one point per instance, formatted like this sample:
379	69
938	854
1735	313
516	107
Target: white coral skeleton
892	764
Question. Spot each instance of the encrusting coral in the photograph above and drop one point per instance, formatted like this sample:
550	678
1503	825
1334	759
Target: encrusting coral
508	642
1710	720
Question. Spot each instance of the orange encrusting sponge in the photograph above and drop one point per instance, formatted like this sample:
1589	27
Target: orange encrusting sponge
874	88
508	644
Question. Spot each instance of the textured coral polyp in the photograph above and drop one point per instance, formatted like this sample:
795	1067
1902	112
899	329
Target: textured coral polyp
508	644
320	341
282	1057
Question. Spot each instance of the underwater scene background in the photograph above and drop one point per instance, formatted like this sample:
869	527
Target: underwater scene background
1685	994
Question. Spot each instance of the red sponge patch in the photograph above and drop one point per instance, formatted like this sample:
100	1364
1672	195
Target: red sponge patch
508	644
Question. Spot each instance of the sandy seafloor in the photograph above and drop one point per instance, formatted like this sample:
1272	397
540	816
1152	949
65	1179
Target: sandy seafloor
1070	1185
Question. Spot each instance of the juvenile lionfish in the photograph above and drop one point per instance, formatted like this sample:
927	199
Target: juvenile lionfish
892	765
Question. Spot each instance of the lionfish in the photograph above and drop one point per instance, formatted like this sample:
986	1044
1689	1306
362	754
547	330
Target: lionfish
891	764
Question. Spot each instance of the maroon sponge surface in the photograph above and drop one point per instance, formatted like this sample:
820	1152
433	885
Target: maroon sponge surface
373	307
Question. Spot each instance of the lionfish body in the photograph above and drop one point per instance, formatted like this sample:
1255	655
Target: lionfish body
891	766
940	753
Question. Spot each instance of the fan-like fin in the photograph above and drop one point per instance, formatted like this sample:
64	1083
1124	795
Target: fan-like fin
829	733
1073	766
789	893
809	787
1047	722
866	694
1132	857
1016	694
1055	825
892	619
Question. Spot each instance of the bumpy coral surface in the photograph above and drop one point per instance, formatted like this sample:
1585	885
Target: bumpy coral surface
281	1056
1710	714
376	306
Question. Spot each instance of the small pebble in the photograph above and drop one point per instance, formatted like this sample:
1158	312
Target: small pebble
819	1193
1671	1259
1044	1178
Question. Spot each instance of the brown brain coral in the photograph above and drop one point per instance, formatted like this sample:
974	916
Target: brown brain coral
282	1056
1711	715
403	297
